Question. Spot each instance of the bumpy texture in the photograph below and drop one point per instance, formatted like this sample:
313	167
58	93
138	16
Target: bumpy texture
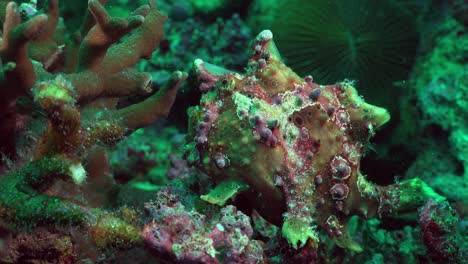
184	236
440	88
136	156
187	40
438	224
295	143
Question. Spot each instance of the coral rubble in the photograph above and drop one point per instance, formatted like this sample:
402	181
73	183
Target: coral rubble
189	237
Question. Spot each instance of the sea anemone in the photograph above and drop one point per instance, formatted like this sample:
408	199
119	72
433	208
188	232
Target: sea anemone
371	42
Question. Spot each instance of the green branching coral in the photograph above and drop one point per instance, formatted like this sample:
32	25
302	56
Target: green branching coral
372	42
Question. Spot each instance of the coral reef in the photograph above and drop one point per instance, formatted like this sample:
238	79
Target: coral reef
137	158
187	40
221	42
404	243
439	88
189	237
296	144
45	246
214	7
274	167
74	86
92	68
438	225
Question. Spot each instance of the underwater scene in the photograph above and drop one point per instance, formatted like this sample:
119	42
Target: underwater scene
222	131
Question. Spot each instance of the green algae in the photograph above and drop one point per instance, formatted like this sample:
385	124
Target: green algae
23	205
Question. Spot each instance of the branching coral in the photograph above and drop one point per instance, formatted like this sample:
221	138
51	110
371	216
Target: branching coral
75	85
296	144
66	80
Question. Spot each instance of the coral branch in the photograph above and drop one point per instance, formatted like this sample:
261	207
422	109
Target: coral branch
45	44
153	107
14	52
101	71
17	69
102	35
138	45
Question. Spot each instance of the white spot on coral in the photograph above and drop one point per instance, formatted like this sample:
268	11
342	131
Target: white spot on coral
78	173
